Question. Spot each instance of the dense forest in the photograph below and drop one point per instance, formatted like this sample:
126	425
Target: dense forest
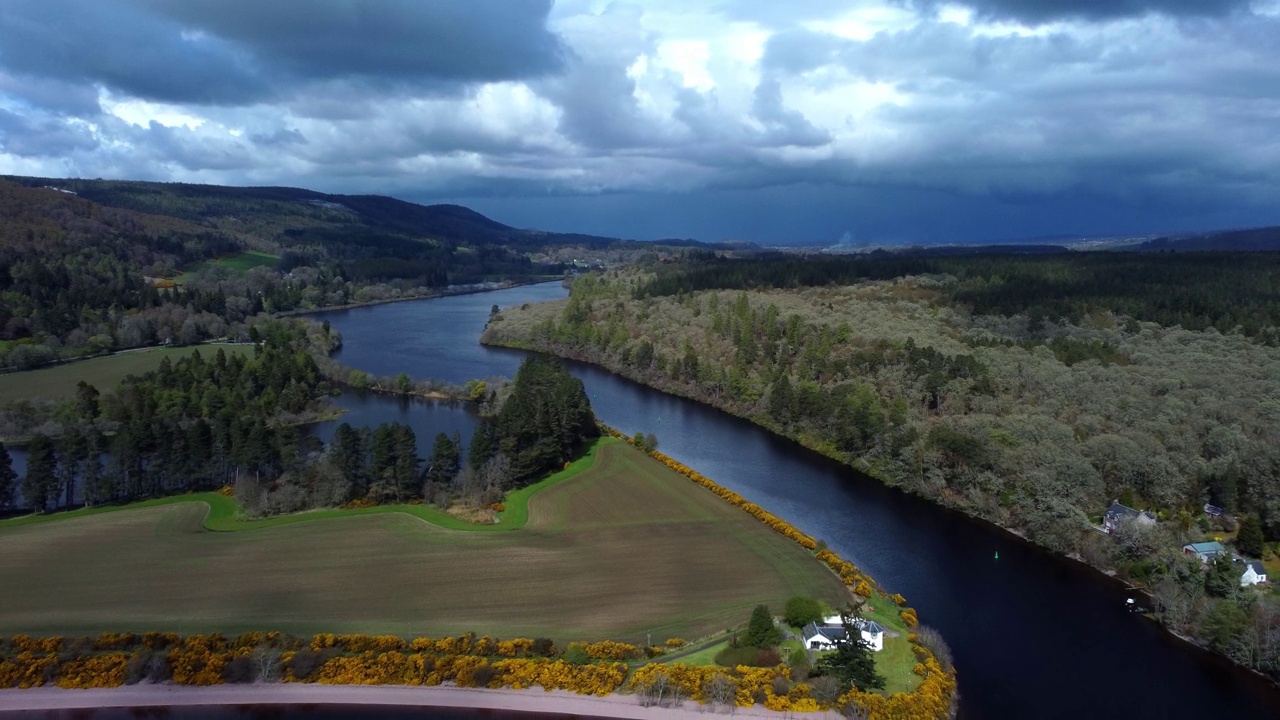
195	424
959	389
1232	292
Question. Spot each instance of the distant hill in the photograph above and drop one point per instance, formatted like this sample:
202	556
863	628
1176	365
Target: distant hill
1253	240
277	214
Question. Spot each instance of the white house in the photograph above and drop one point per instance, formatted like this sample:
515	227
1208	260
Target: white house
826	635
1253	573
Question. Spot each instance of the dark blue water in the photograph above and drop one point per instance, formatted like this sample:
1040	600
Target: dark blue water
1034	636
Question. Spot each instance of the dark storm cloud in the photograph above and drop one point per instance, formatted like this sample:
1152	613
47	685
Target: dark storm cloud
407	40
1041	11
42	136
124	48
235	52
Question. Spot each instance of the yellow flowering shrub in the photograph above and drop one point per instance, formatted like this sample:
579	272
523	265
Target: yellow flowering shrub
95	671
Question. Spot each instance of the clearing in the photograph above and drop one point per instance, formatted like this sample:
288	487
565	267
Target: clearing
617	547
238	263
105	373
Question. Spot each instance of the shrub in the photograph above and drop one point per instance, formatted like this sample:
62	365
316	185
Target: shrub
781	685
576	654
306	661
543	647
735	656
239	670
801	611
768	657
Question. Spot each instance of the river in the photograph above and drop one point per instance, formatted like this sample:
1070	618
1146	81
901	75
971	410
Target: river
1034	636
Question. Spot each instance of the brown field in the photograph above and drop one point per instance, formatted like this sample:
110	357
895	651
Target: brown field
623	549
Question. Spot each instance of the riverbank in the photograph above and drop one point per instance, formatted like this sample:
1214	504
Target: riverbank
559	702
462	290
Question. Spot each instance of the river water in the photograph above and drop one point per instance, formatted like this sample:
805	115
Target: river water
1034	636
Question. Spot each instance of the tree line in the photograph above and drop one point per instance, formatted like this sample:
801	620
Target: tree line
1230	292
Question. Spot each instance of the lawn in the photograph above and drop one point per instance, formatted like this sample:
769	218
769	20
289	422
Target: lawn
105	373
239	263
616	547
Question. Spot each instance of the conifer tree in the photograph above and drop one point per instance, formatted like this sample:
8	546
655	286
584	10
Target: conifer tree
1250	539
852	662
8	479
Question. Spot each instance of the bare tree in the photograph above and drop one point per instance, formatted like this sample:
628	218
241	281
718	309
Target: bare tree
266	663
722	690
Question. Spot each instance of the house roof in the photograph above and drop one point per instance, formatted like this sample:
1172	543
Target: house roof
830	632
870	626
1121	510
1212	546
1257	566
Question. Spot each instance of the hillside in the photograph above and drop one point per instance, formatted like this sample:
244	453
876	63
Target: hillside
275	214
89	266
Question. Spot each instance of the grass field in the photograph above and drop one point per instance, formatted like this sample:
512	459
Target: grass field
240	262
105	373
619	549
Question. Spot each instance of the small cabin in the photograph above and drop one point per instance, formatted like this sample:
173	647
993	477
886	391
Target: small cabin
1253	573
1206	552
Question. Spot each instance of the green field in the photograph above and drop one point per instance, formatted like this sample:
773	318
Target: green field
240	262
623	548
59	382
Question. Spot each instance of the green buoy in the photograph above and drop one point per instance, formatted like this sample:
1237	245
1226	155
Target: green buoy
997	554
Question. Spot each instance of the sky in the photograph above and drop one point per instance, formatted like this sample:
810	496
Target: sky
814	122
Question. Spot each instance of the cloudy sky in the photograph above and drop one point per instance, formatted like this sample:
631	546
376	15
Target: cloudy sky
872	120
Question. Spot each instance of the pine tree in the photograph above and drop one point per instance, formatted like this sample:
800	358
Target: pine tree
851	661
347	455
761	630
446	459
42	468
1250	539
8	479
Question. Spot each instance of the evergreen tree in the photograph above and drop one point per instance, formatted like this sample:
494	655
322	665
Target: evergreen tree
446	459
405	468
87	401
761	630
484	443
1223	578
1250	539
347	455
545	421
852	661
42	473
8	479
382	454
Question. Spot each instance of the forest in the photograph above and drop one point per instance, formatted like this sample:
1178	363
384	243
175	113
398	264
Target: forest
1231	292
1035	422
235	423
